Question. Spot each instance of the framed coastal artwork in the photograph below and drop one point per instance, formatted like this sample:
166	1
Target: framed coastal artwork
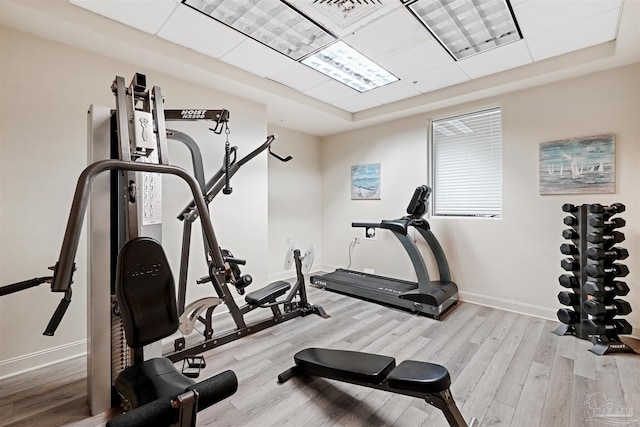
365	182
578	165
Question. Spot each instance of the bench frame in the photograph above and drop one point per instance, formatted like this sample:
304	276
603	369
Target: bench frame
442	400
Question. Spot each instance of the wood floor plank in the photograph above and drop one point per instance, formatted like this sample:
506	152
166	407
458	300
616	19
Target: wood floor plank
498	414
529	408
478	402
556	405
515	334
517	373
584	362
582	388
546	347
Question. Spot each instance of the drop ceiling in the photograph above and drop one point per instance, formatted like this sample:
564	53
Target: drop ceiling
386	32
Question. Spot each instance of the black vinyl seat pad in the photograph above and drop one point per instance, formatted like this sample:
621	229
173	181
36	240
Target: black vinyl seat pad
150	380
410	375
421	377
350	365
268	294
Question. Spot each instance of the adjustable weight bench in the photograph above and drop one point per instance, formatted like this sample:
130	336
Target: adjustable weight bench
411	378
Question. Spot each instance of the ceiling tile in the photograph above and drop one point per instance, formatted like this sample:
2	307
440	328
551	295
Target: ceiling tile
579	35
428	55
388	35
492	61
539	16
357	103
205	35
393	92
299	77
256	58
147	16
437	79
331	92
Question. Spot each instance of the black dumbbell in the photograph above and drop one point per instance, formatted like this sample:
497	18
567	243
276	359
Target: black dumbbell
612	238
568	316
570	264
617	306
568	298
569	249
600	290
570	220
618	326
570	234
597	271
613	254
568	281
612	209
568	207
599	222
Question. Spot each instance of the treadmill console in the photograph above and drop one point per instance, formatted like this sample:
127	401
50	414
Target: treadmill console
419	202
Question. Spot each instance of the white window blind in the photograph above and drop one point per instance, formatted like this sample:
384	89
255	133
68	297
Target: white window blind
466	164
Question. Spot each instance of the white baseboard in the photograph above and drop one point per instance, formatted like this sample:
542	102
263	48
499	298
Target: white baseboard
509	305
39	359
522	308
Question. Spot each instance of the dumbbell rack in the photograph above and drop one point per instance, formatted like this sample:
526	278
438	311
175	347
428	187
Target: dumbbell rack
592	286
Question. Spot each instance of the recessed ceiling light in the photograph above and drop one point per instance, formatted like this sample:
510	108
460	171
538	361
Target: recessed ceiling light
270	22
465	27
346	65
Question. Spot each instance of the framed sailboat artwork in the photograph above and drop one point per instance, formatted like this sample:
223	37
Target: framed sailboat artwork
365	182
584	165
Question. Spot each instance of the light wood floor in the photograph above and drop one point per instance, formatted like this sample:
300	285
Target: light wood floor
507	370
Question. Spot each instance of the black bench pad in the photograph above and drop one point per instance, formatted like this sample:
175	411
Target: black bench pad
268	294
150	380
419	376
346	365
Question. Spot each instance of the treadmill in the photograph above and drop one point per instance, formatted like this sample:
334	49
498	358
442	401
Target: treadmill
425	296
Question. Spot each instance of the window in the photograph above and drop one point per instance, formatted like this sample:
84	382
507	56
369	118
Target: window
466	164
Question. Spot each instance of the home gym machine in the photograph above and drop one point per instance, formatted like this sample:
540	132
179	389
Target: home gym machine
200	312
428	297
131	141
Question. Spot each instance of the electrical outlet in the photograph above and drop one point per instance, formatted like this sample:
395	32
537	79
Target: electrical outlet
370	233
356	240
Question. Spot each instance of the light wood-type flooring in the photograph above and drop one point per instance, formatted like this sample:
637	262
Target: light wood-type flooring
507	370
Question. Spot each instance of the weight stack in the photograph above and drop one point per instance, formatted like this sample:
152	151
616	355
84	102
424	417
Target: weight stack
592	284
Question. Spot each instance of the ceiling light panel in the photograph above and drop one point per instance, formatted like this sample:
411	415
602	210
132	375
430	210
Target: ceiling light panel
466	28
348	66
271	22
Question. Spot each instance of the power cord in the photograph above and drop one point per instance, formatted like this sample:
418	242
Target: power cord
351	245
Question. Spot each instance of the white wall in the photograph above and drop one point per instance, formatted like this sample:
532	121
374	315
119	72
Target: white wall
513	262
295	199
46	90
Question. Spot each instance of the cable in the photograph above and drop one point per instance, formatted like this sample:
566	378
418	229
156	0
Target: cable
351	245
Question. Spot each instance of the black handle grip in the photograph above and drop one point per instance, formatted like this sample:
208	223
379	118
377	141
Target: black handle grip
160	412
236	261
277	156
215	389
58	315
227	165
21	286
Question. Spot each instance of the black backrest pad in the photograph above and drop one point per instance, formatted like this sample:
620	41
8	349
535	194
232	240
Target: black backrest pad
418	204
145	292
